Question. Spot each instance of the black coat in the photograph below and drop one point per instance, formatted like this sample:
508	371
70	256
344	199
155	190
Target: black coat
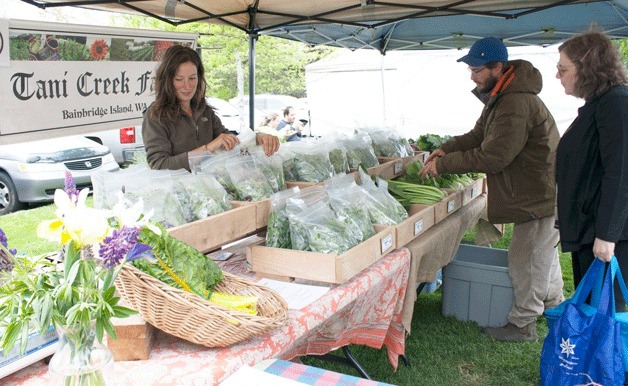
592	172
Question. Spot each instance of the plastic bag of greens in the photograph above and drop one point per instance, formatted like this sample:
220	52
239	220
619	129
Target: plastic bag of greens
156	189
200	196
387	143
271	167
297	207
383	208
286	154
311	161
106	185
337	155
278	229
345	198
216	166
247	139
323	231
249	182
360	151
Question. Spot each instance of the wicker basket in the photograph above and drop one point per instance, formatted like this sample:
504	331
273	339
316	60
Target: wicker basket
190	317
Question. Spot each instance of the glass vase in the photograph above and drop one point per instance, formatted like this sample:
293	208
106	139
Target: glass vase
80	359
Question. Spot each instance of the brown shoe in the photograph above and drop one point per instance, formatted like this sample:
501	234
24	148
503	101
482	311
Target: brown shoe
512	333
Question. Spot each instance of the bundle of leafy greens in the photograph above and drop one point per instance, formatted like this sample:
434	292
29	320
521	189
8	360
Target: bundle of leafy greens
338	159
360	151
431	142
278	228
444	181
200	196
191	268
382	206
249	182
313	167
271	167
347	200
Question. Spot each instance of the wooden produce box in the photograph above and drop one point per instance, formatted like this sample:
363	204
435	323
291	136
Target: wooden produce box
472	190
422	155
448	205
388	170
214	231
135	339
288	264
262	209
420	218
302	184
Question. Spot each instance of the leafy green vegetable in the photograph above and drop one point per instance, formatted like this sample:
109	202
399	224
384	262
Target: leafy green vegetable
431	142
195	269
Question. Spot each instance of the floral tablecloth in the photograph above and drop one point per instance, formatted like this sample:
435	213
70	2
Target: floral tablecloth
365	310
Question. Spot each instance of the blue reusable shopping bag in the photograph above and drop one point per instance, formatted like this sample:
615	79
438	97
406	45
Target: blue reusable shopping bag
583	347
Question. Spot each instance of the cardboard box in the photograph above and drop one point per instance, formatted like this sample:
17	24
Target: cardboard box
214	231
420	218
135	339
288	264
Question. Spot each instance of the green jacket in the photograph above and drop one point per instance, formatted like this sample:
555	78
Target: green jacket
514	142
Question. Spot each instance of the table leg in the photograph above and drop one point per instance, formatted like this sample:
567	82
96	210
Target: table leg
405	359
348	360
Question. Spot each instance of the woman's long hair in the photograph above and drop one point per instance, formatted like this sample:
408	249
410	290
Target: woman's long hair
598	63
166	108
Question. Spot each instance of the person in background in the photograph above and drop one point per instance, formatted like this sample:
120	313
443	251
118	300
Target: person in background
269	125
592	156
180	120
514	143
290	125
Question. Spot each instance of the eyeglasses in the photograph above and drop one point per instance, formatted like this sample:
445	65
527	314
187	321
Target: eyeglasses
476	70
562	69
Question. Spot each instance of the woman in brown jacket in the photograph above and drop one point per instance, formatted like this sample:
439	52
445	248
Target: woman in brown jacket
180	120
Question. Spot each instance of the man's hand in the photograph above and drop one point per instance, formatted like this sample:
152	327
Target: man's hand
224	140
603	250
435	154
429	170
269	142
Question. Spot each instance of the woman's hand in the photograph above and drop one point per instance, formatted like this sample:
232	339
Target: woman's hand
224	140
269	142
603	250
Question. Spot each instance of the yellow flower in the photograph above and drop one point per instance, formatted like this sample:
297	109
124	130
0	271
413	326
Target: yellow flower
75	221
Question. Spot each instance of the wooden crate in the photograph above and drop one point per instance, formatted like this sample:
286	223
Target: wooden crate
422	155
420	218
301	184
388	170
472	190
214	231
287	264
445	207
135	339
262	209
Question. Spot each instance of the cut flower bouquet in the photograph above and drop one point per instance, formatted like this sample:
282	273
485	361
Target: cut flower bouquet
75	291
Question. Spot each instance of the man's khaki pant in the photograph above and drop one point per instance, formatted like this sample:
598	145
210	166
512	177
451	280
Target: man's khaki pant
534	268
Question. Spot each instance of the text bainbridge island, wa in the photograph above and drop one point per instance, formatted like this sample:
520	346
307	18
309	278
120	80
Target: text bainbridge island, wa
102	111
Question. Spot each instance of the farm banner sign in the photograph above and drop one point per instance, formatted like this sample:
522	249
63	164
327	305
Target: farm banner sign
68	79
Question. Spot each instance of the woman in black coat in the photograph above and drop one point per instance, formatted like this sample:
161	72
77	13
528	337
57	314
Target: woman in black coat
592	155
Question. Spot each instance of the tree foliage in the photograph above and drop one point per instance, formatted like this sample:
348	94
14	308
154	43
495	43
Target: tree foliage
279	63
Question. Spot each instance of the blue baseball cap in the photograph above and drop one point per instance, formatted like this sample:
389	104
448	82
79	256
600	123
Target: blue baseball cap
485	50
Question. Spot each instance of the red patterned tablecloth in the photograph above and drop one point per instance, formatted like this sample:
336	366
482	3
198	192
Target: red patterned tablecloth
366	310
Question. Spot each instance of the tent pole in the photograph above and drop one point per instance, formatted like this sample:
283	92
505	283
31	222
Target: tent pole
252	40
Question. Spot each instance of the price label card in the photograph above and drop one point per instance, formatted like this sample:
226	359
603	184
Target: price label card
474	191
387	243
425	156
418	227
398	167
450	205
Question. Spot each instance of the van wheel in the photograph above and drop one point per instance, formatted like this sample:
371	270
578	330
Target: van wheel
8	195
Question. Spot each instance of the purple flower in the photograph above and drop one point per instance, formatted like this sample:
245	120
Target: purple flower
70	187
122	243
4	242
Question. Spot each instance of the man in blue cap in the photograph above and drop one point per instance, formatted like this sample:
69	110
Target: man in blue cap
514	143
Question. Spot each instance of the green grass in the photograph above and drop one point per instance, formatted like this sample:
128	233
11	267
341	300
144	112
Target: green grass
442	350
